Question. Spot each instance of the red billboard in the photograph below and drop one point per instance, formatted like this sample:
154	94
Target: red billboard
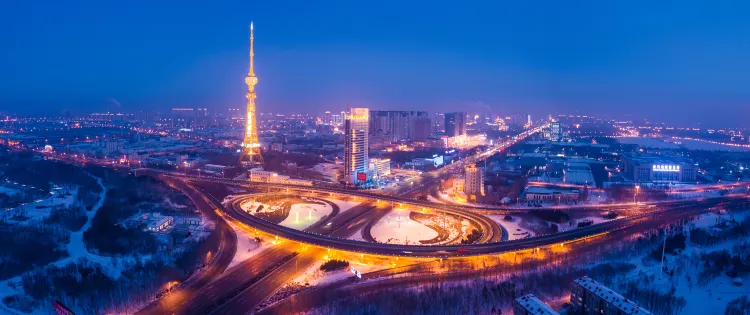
362	176
60	309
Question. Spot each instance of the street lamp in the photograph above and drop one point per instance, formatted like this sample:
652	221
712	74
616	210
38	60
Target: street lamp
637	189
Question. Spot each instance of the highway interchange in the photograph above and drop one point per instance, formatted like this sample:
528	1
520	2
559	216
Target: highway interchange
217	289
243	288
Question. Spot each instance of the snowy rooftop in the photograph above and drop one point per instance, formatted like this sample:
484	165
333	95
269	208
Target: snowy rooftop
656	159
612	297
535	306
550	190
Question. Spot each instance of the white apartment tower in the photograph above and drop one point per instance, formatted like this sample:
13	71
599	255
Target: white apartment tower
474	185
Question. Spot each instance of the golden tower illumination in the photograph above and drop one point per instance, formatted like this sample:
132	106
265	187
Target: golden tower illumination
251	145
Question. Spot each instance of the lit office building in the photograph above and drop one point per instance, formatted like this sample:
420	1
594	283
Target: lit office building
356	145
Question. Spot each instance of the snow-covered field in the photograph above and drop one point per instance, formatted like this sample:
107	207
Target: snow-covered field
397	228
515	231
711	298
344	204
40	208
301	216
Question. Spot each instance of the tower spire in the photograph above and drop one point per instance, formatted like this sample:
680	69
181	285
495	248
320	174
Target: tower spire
250	154
251	73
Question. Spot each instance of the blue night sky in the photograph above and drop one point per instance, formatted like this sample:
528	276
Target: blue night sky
684	64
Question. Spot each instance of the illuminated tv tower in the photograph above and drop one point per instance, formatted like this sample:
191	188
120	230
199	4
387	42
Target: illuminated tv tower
251	145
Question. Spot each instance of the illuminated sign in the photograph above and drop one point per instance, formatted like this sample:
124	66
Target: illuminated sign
665	168
362	176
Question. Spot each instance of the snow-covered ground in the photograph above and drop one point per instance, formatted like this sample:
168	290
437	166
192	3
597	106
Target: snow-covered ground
344	204
568	227
357	236
397	228
76	250
301	216
247	247
711	298
40	208
430	198
514	229
7	190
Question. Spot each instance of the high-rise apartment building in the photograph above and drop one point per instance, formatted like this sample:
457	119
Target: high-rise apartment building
399	125
556	132
356	145
474	185
337	120
438	123
455	124
327	118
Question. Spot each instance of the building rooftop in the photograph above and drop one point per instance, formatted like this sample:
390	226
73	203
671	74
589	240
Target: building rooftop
535	306
656	159
550	190
624	305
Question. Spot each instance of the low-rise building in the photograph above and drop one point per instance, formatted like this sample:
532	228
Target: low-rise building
531	305
657	168
538	193
260	176
381	167
215	169
589	297
158	223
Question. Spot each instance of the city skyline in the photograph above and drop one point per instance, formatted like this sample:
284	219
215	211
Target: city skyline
605	60
579	158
